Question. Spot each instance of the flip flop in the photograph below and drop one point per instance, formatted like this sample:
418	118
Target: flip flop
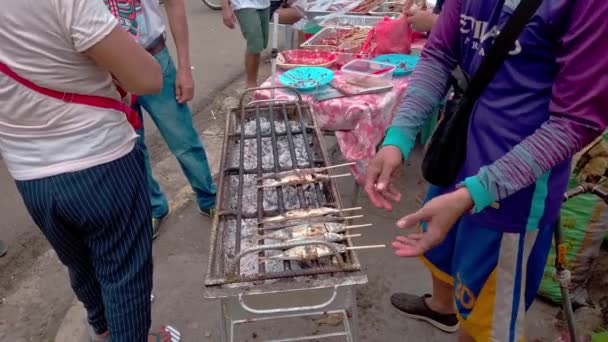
175	335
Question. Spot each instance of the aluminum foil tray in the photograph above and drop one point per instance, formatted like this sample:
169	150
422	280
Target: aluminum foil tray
356	20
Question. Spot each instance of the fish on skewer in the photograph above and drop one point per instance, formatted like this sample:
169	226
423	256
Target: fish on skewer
301	179
302	172
312	252
308	231
305	213
331	237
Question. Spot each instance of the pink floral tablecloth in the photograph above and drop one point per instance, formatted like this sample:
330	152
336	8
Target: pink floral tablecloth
359	122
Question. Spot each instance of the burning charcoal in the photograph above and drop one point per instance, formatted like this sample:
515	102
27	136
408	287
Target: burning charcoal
250	198
249	263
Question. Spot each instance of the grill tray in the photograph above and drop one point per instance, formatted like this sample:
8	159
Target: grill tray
278	136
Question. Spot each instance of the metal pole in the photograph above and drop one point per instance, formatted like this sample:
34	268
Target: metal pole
275	51
562	275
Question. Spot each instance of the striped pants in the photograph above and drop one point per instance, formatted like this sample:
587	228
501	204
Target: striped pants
98	222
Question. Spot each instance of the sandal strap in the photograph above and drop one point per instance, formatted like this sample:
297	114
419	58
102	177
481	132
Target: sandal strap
157	335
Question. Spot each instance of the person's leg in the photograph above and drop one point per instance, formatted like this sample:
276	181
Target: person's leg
66	240
252	65
490	282
174	122
437	309
160	205
252	28
110	203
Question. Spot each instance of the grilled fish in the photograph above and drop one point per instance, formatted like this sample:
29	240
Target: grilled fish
294	173
305	213
296	179
305	253
307	231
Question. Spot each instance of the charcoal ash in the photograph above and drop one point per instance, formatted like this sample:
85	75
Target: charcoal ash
291	200
250	161
249	262
265	127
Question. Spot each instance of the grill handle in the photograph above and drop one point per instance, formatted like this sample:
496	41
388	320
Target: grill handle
287	309
293	90
283	246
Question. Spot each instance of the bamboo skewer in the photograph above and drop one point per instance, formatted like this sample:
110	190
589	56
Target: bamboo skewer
364	247
307	171
351	217
358	226
337	166
331	220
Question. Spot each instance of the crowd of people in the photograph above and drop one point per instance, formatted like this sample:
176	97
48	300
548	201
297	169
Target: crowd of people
77	73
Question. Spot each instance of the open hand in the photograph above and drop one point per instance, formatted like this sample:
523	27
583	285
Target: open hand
440	214
381	174
184	85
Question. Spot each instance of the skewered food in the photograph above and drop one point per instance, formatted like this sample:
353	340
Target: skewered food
309	231
312	252
303	172
306	213
300	179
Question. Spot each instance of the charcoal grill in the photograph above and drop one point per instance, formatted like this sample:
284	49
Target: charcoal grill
265	137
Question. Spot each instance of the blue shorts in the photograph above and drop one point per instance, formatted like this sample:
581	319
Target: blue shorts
495	275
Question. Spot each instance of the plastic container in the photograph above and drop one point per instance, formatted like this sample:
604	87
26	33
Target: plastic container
368	73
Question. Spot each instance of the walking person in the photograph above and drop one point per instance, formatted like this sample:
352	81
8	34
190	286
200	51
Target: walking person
485	237
168	108
68	141
253	17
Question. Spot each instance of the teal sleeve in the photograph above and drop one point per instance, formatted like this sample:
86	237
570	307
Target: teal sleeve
396	137
482	198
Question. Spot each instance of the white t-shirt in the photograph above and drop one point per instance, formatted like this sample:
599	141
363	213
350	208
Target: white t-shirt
40	136
142	18
257	4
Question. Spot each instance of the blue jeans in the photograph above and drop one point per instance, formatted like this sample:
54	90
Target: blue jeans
174	122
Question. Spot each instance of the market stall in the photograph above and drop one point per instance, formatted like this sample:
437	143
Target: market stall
358	99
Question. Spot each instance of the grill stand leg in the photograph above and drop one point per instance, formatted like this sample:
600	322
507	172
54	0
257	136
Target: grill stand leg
353	314
224	321
233	314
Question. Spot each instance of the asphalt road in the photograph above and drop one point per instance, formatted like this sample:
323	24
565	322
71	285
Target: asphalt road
216	55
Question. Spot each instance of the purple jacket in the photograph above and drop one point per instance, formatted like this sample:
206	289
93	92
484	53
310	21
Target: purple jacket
547	101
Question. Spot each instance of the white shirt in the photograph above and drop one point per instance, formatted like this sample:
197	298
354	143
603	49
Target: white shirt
142	18
40	136
257	4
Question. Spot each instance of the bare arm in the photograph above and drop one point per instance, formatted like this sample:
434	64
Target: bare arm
228	15
178	22
137	71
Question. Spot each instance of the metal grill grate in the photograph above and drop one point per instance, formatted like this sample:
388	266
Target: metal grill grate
262	138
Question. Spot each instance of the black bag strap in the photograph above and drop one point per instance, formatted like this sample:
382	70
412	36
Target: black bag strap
499	50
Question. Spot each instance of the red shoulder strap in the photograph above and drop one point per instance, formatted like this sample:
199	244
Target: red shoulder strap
89	100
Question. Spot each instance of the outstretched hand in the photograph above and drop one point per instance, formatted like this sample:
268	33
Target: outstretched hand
381	174
440	214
